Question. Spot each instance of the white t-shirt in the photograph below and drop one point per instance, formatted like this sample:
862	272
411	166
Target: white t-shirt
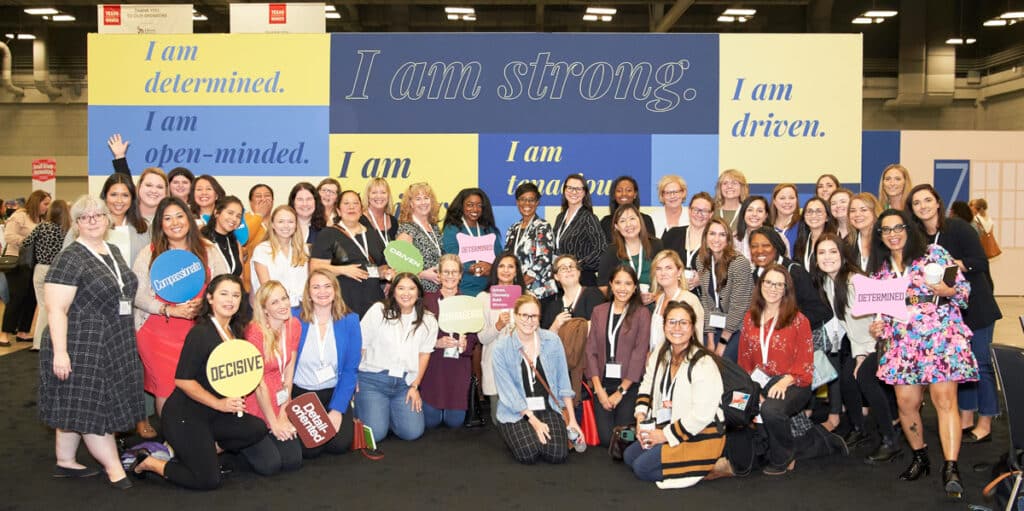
280	269
393	345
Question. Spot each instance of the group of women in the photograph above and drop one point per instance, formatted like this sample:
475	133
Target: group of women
641	310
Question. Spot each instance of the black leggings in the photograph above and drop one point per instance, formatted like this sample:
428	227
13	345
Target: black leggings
621	415
877	394
271	456
342	442
193	429
20	310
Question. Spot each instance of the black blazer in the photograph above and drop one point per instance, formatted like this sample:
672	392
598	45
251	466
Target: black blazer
962	242
675	239
590	297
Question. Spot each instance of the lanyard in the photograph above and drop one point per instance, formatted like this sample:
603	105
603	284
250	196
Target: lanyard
565	227
714	285
383	233
668	384
518	237
863	257
639	266
319	342
613	328
765	341
363	247
230	256
935	240
898	272
430	235
807	253
116	270
572	306
282	357
658	307
220	329
469	229
531	374
686	247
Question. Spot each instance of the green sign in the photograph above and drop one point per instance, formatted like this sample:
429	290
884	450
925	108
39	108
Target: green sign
460	314
403	256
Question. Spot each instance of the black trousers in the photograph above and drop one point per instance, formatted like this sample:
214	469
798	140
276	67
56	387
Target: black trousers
271	456
877	394
193	429
621	415
342	442
19	311
776	414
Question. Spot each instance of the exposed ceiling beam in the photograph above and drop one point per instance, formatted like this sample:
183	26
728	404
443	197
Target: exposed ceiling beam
673	14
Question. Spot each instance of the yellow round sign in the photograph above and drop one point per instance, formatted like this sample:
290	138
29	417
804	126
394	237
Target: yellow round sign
235	368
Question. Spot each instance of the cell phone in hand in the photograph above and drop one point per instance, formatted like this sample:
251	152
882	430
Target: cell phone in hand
949	278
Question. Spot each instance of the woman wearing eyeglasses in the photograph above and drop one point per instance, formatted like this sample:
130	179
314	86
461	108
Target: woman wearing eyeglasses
686	240
672	195
574	300
533	380
932	348
777	350
577	229
532	242
730	192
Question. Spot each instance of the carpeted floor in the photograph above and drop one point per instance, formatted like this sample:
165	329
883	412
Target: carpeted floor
462	469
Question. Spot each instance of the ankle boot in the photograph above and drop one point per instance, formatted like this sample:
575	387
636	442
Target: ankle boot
888	450
918	466
951	480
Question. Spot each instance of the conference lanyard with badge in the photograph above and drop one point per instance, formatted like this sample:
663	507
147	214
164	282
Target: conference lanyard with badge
534	403
715	319
282	358
383	233
565	227
124	305
613	369
324	373
430	235
371	269
668	388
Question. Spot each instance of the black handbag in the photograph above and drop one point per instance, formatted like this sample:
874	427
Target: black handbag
8	262
477	413
622	437
27	256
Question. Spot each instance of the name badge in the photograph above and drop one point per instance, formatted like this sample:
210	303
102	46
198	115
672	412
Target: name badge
664	415
451	353
124	308
759	376
282	397
716	320
613	370
396	373
325	374
374	272
535	403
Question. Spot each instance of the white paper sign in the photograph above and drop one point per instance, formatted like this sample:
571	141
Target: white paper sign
278	19
144	19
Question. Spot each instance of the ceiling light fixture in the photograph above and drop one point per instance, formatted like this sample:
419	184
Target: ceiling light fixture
197	16
459	10
26	37
739	12
332	15
879	14
602	11
590	17
1012	15
861	20
63	17
38	11
330	8
726	19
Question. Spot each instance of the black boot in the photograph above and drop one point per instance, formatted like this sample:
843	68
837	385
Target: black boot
888	450
854	438
918	466
951	480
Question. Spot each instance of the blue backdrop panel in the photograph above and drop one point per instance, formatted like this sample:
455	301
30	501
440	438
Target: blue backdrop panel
216	140
513	83
694	157
878	150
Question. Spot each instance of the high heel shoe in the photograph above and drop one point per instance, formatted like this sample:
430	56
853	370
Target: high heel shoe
888	450
951	480
918	466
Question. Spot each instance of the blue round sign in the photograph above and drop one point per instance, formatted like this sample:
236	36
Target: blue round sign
177	276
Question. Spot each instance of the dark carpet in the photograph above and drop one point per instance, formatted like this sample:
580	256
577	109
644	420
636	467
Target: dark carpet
464	469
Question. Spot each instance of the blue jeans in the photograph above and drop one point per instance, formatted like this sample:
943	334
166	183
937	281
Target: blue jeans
646	463
981	395
732	349
380	404
433	417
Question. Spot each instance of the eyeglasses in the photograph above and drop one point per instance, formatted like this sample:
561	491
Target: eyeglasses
774	285
898	228
88	219
573	189
451	273
528	200
529	317
672	193
700	211
814	212
566	268
673	323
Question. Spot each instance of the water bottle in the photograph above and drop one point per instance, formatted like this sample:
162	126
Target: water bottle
578	442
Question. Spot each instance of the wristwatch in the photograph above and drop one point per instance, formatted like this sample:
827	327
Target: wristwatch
621	390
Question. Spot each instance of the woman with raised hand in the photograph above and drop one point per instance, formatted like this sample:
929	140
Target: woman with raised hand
446	382
21	308
625	190
197	420
532	241
833	276
179	183
577	230
863	212
672	195
46	241
379	210
681	392
162	326
470	214
349	251
282	256
777	350
933	349
839	208
304	199
730	192
725	284
785	213
753	214
497	322
398	337
328	356
670	286
220	229
206	191
815	221
617	346
894	187
532	377
686	240
826	185
982	311
328	191
275	333
417	224
89	372
631	245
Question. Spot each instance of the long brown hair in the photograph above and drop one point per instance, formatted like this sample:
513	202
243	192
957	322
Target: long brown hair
787	308
32	205
60	214
618	241
338	308
728	253
196	243
696	349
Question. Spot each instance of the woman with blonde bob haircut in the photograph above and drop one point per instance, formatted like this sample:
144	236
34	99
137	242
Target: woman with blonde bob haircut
417	224
671	194
379	209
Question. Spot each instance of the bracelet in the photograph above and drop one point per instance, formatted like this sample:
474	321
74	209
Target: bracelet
163	310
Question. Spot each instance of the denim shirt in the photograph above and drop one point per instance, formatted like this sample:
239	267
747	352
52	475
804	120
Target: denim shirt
509	377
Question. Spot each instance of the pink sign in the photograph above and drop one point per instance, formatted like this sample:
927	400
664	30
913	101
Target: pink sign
887	296
504	297
476	248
